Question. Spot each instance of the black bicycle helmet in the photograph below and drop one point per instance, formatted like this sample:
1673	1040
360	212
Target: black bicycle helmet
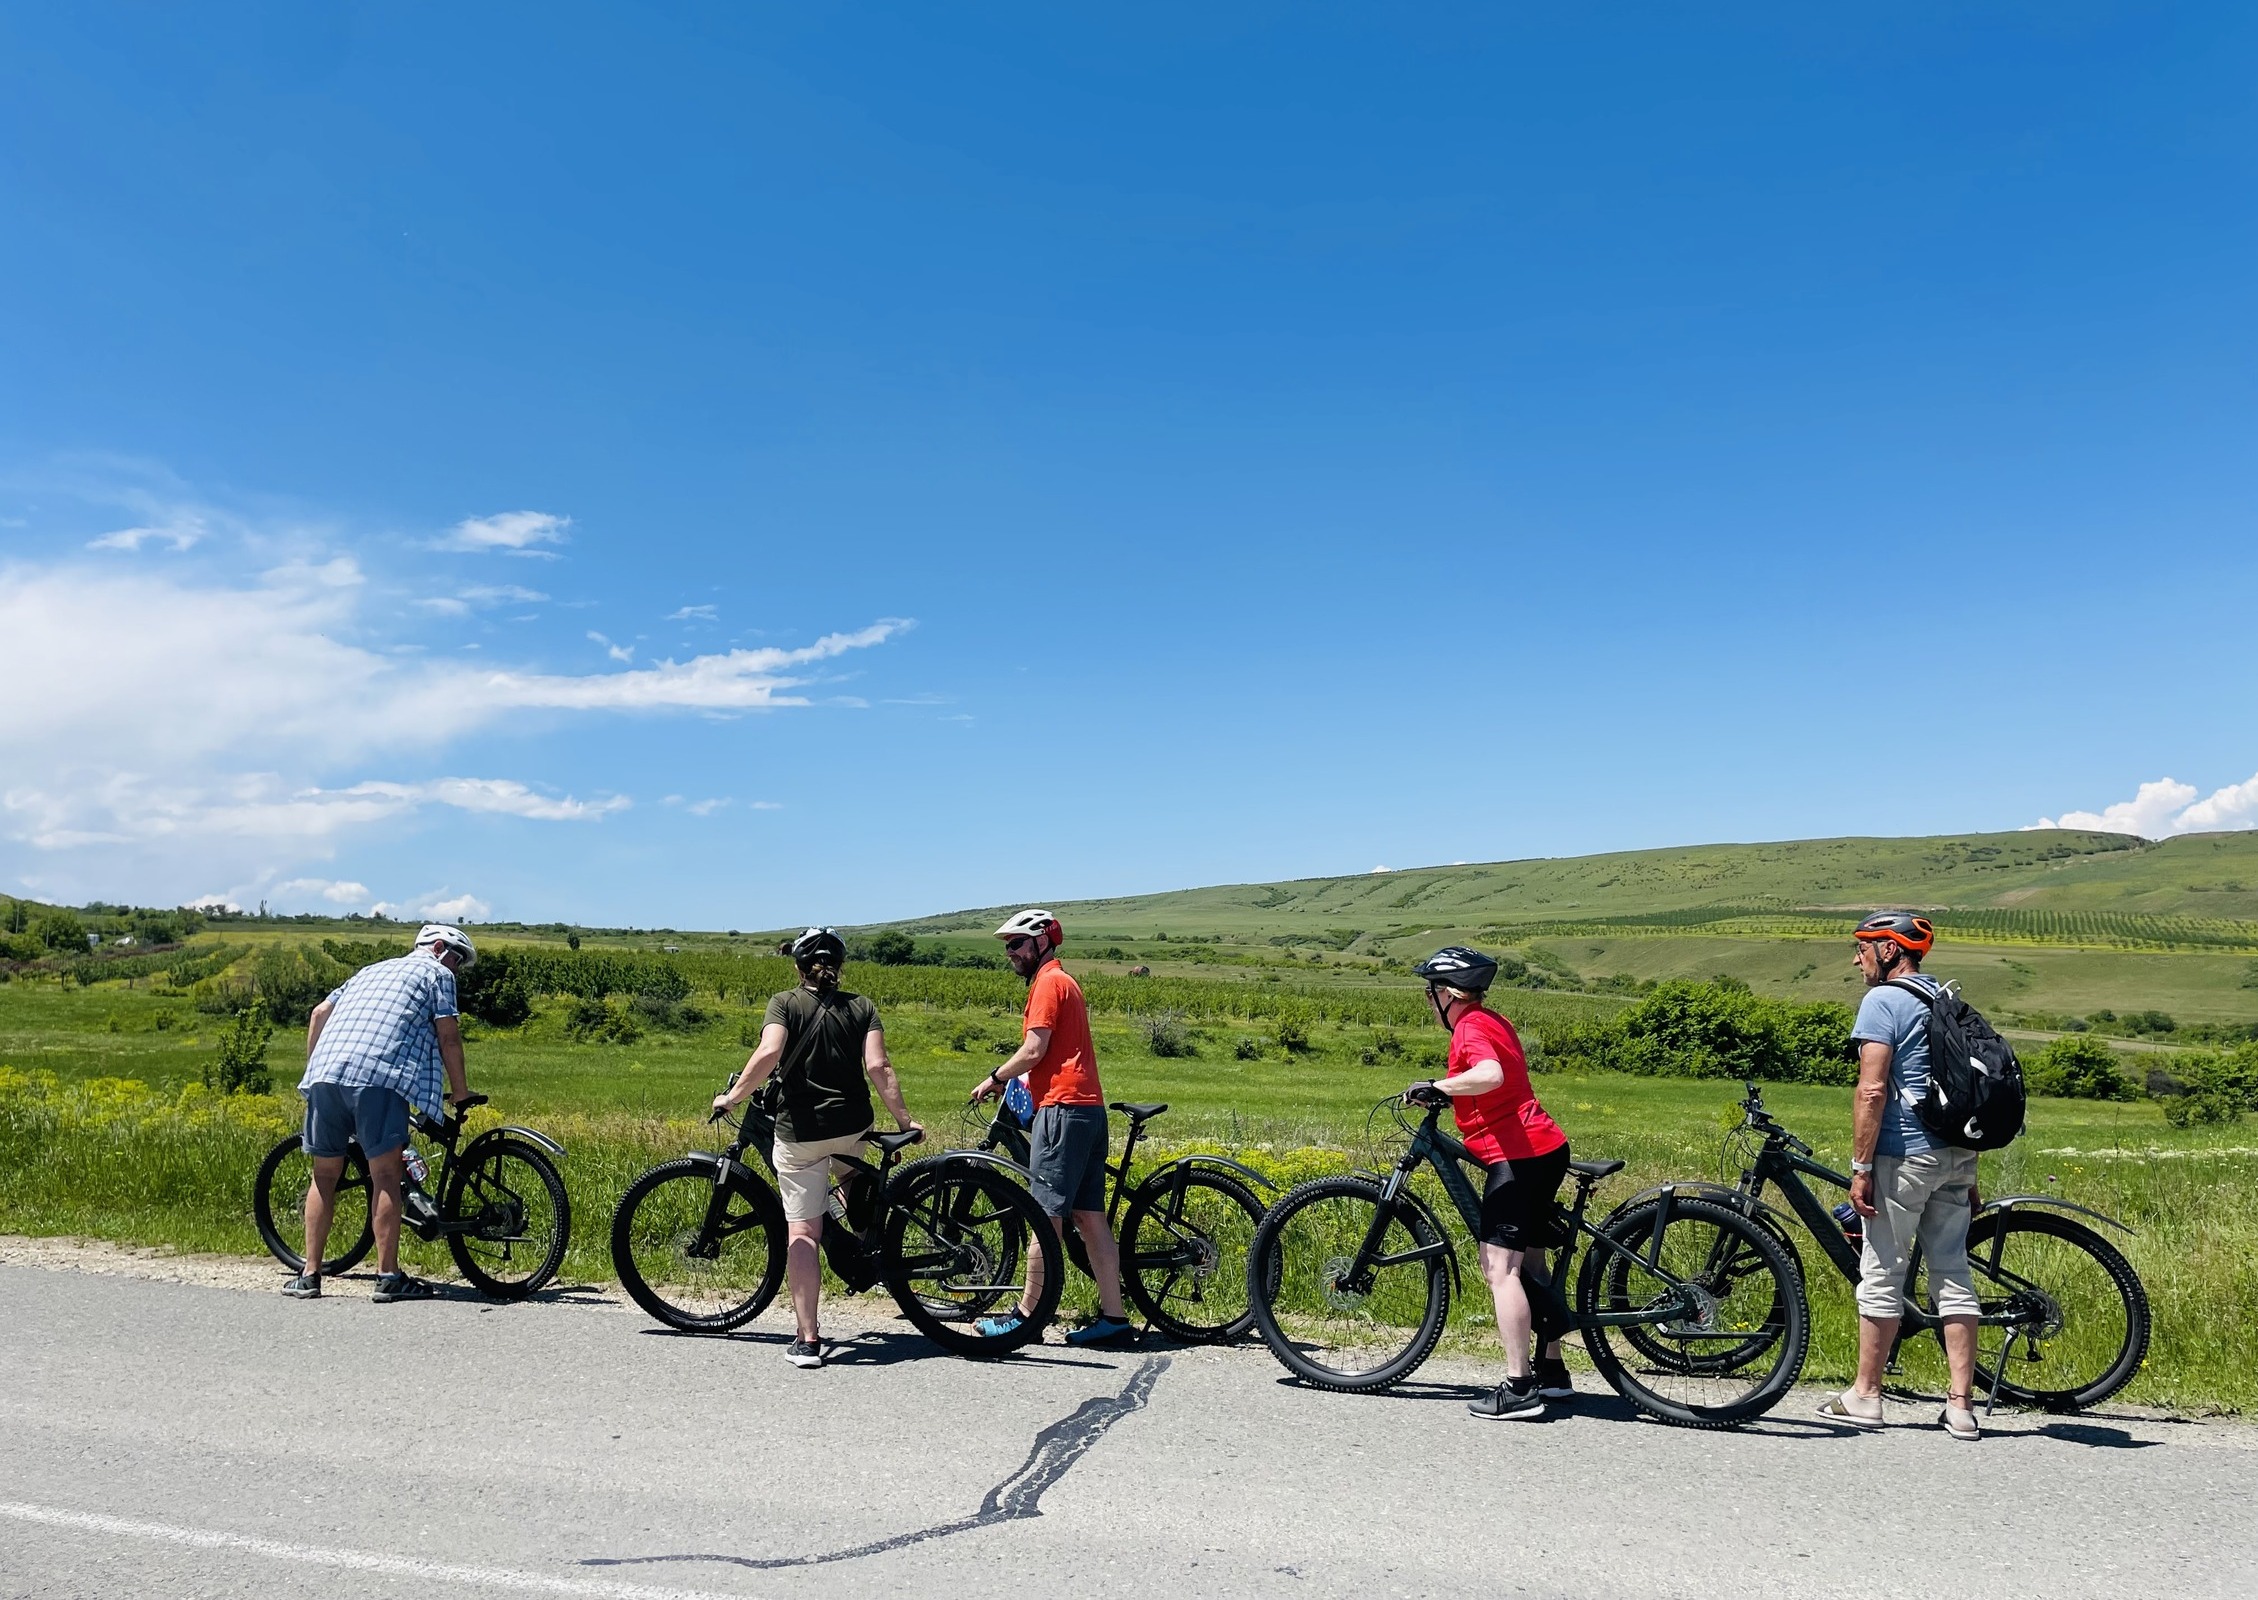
1460	968
814	945
1900	928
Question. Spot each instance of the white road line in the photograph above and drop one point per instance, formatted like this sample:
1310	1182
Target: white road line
354	1560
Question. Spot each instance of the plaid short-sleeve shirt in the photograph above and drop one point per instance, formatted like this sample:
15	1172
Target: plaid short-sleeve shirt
380	1031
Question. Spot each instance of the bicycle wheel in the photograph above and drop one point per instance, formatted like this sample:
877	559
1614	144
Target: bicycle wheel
1332	1330
1688	1310
521	1217
278	1205
959	1239
1721	1275
688	1276
1184	1246
2079	1316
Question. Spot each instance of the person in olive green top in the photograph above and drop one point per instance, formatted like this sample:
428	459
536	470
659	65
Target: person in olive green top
827	1051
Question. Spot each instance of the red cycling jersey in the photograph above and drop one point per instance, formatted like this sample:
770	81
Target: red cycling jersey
1506	1123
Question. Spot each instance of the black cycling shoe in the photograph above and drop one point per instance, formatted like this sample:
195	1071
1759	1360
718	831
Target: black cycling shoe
306	1286
1507	1403
399	1286
1553	1381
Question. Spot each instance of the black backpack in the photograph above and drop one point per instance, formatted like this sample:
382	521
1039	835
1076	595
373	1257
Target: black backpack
1975	1095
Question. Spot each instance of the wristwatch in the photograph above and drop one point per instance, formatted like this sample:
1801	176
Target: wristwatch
1862	1166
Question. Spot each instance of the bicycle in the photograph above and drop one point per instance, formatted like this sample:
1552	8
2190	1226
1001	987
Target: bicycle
501	1206
698	1242
2049	1285
1185	1237
1351	1278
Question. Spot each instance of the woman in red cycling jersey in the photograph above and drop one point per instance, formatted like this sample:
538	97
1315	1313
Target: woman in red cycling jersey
1524	1158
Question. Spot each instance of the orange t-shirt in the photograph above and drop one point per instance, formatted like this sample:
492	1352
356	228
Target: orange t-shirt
1068	1073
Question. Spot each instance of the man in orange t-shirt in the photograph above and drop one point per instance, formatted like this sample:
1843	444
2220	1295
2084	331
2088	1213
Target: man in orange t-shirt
1067	1145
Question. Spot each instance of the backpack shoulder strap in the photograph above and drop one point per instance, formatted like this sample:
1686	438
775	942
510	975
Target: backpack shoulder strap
1927	990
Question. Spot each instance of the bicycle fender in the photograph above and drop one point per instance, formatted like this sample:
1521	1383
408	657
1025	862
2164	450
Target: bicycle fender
2051	1202
1724	1194
1219	1164
528	1134
718	1159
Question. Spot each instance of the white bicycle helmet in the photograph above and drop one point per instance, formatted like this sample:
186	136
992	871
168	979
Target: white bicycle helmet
1032	923
451	938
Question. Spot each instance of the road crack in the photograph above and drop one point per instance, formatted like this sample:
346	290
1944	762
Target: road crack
1019	1496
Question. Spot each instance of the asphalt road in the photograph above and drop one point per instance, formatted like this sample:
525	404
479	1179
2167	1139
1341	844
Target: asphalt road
165	1438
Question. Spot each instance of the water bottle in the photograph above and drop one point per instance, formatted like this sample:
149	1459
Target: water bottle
1853	1225
418	1173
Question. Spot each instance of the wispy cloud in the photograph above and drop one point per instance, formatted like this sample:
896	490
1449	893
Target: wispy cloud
510	532
479	597
618	652
179	534
2166	806
440	905
694	614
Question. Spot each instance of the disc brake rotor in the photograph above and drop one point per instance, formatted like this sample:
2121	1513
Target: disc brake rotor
1337	1295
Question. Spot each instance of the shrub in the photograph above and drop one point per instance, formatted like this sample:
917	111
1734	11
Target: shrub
495	991
2078	1066
1291	1031
291	982
2214	1087
1166	1035
1684	1029
596	1021
891	948
241	1066
1247	1049
59	930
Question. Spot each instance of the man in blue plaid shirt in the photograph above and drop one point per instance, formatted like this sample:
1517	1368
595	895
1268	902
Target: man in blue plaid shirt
374	1048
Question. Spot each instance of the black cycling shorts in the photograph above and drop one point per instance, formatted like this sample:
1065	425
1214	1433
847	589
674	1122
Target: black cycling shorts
1520	1199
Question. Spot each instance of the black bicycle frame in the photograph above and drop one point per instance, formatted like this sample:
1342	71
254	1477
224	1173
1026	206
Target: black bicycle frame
1447	1159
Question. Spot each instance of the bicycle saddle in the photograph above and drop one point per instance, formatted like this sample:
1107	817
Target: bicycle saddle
1595	1170
891	1142
1137	1113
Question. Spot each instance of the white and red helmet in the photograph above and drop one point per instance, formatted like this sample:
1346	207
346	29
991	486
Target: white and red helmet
1033	923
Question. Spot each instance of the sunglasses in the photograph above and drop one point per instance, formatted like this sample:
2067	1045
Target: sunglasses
1018	944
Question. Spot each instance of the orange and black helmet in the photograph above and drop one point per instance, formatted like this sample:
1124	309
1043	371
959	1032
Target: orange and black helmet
1900	928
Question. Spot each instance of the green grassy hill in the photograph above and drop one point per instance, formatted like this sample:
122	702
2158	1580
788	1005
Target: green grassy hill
2200	878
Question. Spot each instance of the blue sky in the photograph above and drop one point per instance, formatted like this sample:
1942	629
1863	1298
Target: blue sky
726	466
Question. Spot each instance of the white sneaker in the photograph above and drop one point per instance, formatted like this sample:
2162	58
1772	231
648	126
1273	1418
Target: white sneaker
1961	1422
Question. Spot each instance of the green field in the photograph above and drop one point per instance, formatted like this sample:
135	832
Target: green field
1295	1004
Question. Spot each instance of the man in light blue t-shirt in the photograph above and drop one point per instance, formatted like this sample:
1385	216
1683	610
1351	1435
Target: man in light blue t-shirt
1906	1184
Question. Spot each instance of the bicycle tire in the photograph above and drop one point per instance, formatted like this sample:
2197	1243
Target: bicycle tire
957	1238
1327	1334
278	1206
1185	1240
1686	1390
1720	1271
2005	1246
529	1208
657	1221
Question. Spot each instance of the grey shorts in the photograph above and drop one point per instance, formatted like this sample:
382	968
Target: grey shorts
375	1119
1066	1154
1923	1197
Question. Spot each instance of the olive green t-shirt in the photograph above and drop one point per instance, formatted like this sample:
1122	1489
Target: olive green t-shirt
824	1093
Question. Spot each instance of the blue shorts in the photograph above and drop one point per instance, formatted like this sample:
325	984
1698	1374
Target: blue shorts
375	1119
1066	1158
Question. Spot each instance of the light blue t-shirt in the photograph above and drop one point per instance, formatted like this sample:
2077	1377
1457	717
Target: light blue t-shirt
1891	1016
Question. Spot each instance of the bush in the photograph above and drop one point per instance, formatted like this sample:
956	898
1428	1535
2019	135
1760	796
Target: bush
59	930
1291	1031
1166	1035
2214	1087
241	1066
2078	1066
891	948
495	991
1247	1050
1684	1029
595	1021
291	982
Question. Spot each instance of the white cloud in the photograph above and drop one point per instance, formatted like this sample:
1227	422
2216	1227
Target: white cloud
178	534
618	652
437	905
211	902
337	891
464	601
706	808
2165	807
694	614
208	729
513	532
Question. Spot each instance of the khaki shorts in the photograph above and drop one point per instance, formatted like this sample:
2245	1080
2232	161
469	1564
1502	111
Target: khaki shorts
1925	1197
804	1170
